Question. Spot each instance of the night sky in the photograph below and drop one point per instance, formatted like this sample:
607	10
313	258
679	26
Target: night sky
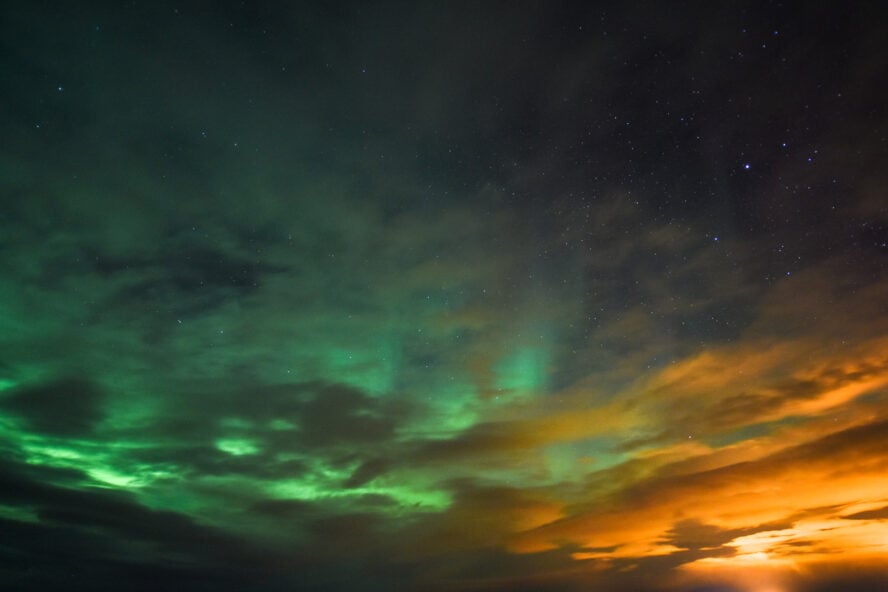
441	296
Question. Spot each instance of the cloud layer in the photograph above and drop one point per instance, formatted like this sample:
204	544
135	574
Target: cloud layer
412	298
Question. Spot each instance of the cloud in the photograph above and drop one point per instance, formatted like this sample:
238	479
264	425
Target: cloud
661	514
353	297
65	407
94	530
877	514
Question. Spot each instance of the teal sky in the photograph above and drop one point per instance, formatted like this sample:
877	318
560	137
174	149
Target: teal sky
405	296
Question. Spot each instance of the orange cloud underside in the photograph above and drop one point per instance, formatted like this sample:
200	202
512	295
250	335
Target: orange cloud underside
771	452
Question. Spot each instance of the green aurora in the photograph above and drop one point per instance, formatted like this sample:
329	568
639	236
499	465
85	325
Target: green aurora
308	296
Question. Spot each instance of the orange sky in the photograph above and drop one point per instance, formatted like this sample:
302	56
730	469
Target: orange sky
757	463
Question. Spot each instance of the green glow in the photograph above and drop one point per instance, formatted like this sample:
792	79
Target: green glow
282	425
454	406
405	497
524	371
371	369
19	513
110	477
411	298
108	464
23	374
324	483
53	452
571	461
237	423
133	413
237	446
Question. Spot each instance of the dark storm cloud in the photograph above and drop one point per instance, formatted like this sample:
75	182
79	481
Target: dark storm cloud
24	484
65	558
79	537
65	407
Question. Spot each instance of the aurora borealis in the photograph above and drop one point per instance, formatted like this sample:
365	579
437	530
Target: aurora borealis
443	296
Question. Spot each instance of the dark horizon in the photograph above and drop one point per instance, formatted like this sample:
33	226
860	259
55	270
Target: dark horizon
426	296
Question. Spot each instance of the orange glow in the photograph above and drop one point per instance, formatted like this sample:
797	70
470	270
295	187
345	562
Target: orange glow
757	512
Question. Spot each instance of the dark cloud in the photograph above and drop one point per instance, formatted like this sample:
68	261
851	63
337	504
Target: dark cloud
187	282
284	508
368	471
693	534
24	484
65	407
861	579
476	441
79	534
316	414
879	514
